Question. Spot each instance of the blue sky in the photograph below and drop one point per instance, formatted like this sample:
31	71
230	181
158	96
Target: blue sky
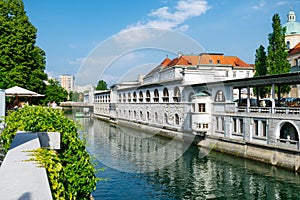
69	30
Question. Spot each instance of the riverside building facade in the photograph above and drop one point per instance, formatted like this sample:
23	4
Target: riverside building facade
164	98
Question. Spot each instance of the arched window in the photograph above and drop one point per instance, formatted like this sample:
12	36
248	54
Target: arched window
166	118
134	114
177	119
165	95
134	96
156	117
288	44
220	96
120	98
289	132
141	96
141	115
148	116
156	96
148	96
176	97
129	97
124	97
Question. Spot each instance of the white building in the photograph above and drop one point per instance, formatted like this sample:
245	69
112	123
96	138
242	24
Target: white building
67	82
165	99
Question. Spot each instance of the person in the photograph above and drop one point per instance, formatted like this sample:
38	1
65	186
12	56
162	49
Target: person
53	104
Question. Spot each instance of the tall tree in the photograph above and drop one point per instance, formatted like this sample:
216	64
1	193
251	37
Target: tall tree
22	63
261	61
277	51
261	69
54	92
102	85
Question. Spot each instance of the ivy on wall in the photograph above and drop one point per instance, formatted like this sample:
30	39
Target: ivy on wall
70	170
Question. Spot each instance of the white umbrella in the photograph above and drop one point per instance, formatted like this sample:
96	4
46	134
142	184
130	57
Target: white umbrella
19	91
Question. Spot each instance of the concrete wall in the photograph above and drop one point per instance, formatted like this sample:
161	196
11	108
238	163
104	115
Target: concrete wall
277	156
21	178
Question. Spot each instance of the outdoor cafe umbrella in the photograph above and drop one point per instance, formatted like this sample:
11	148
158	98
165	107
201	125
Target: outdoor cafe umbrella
22	92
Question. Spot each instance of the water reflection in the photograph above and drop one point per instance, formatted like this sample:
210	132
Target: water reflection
131	150
191	176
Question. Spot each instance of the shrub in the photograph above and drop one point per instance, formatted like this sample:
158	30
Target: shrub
70	170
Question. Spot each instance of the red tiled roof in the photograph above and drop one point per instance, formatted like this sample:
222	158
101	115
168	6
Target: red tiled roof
165	62
179	61
236	62
202	59
295	50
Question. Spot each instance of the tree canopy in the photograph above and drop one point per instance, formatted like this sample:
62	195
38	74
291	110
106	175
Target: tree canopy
22	63
277	51
54	92
261	62
102	85
275	61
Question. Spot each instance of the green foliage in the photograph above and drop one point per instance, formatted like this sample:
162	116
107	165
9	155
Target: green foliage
54	92
76	96
275	62
22	63
261	69
76	179
102	85
277	52
51	161
260	62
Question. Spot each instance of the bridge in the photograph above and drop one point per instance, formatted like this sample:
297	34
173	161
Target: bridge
76	104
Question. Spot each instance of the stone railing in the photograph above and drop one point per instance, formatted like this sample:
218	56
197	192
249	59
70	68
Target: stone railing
276	110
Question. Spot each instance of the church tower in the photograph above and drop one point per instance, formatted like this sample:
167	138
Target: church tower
292	35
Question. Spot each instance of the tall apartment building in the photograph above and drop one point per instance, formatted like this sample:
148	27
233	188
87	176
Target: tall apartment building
67	82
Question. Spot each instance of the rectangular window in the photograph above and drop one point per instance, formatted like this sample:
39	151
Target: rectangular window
205	126
201	107
255	127
247	74
222	124
234	125
234	74
241	124
264	128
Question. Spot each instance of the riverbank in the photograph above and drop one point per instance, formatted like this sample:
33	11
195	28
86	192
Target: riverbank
273	155
269	154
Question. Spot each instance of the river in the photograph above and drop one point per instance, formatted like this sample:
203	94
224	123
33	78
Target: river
138	165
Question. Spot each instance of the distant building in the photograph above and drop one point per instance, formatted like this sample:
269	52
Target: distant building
67	82
292	39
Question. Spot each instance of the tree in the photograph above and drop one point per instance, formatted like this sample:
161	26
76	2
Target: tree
102	85
76	96
54	92
22	63
261	69
277	51
261	62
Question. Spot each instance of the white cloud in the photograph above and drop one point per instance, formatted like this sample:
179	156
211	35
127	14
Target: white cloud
280	3
77	61
260	6
174	18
